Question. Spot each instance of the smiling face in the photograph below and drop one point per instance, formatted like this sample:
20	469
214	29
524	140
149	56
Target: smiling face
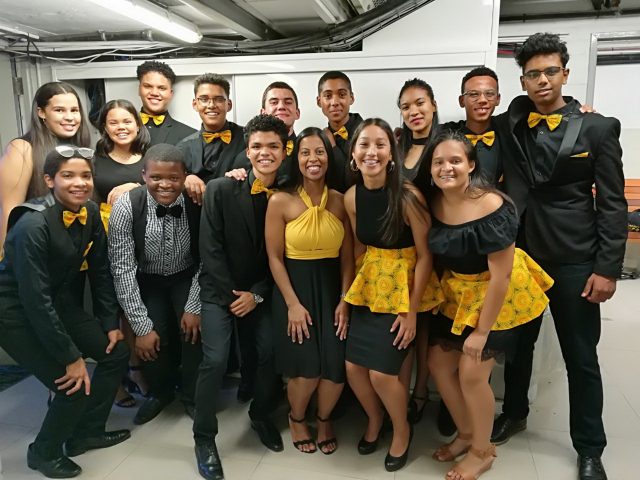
266	152
155	92
417	110
72	184
313	159
61	115
335	100
450	166
281	103
121	127
212	105
545	91
372	151
165	180
480	108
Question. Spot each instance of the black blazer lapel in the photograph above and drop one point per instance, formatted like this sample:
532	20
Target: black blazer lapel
165	131
245	205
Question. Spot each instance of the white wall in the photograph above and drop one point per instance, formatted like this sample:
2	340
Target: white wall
8	119
616	87
420	44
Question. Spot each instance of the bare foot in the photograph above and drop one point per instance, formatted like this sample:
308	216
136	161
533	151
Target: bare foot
300	435
327	442
474	464
449	452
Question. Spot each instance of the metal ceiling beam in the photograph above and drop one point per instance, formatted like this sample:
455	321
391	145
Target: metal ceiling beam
240	20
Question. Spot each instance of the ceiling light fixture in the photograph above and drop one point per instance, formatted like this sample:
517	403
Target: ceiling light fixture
330	11
155	17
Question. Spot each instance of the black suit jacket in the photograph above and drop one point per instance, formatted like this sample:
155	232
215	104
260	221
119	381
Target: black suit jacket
233	254
170	131
40	270
562	222
192	148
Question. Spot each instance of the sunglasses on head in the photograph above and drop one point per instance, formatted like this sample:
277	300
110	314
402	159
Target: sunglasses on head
68	152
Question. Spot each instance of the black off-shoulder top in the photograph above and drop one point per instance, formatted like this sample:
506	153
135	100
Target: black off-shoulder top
464	248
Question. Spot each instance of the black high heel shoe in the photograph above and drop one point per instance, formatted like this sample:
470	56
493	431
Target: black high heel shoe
414	415
391	463
366	447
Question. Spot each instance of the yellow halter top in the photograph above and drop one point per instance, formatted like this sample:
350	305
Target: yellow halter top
315	234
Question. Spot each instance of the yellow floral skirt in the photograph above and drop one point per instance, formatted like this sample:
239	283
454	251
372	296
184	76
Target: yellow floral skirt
385	278
464	295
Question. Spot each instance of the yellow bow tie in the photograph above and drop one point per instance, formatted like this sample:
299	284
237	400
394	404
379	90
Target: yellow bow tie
259	187
552	120
289	147
157	119
69	217
487	138
224	135
343	132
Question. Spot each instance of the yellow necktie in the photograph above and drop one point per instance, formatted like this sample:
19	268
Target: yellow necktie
487	138
343	132
224	135
69	217
552	120
259	187
289	147
157	119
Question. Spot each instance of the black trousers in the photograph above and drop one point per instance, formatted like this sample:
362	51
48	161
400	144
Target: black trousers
76	415
217	324
577	324
165	298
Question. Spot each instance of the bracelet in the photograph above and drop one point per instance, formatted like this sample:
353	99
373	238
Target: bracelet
342	296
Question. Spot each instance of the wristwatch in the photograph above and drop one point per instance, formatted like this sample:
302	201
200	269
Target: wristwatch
257	298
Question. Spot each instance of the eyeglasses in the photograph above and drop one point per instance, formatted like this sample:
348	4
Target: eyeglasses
474	95
68	152
205	101
548	72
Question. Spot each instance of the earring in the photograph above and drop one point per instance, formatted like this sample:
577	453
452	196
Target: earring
431	181
391	166
353	166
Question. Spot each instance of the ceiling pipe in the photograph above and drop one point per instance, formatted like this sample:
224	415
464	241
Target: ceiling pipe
568	15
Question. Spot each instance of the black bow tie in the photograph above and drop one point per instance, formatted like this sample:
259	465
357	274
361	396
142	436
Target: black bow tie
175	211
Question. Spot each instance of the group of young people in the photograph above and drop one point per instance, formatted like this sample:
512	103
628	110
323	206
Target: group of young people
334	255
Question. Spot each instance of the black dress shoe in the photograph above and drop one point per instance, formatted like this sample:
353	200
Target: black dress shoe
61	467
150	409
269	434
591	468
446	426
245	392
190	410
77	446
504	428
209	465
391	463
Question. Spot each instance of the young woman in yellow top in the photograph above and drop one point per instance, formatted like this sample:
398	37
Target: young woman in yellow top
310	252
388	215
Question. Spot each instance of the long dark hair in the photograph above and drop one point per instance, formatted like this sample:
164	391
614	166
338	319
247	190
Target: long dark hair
398	190
407	134
42	140
105	144
478	186
296	175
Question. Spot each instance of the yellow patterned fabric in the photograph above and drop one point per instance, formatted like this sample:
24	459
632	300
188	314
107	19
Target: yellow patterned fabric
552	120
525	300
316	233
157	119
384	281
105	213
69	217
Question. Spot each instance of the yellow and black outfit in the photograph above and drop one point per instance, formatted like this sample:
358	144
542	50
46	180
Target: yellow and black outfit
462	250
312	259
381	288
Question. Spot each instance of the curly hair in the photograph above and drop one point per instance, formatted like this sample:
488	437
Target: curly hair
540	44
213	79
478	72
155	66
266	123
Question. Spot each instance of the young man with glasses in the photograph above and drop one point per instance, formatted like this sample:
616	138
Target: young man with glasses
556	154
211	151
155	89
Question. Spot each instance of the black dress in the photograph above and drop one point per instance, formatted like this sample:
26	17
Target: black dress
109	174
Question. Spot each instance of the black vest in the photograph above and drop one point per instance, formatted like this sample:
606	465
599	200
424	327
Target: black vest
138	197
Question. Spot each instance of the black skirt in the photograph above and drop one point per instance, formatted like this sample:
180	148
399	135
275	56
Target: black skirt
317	285
370	342
500	344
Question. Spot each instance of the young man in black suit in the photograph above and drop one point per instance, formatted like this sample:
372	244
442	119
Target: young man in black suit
335	97
236	287
556	155
155	88
212	151
155	263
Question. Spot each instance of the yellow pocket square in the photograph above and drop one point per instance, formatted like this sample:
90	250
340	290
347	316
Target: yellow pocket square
580	155
85	265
